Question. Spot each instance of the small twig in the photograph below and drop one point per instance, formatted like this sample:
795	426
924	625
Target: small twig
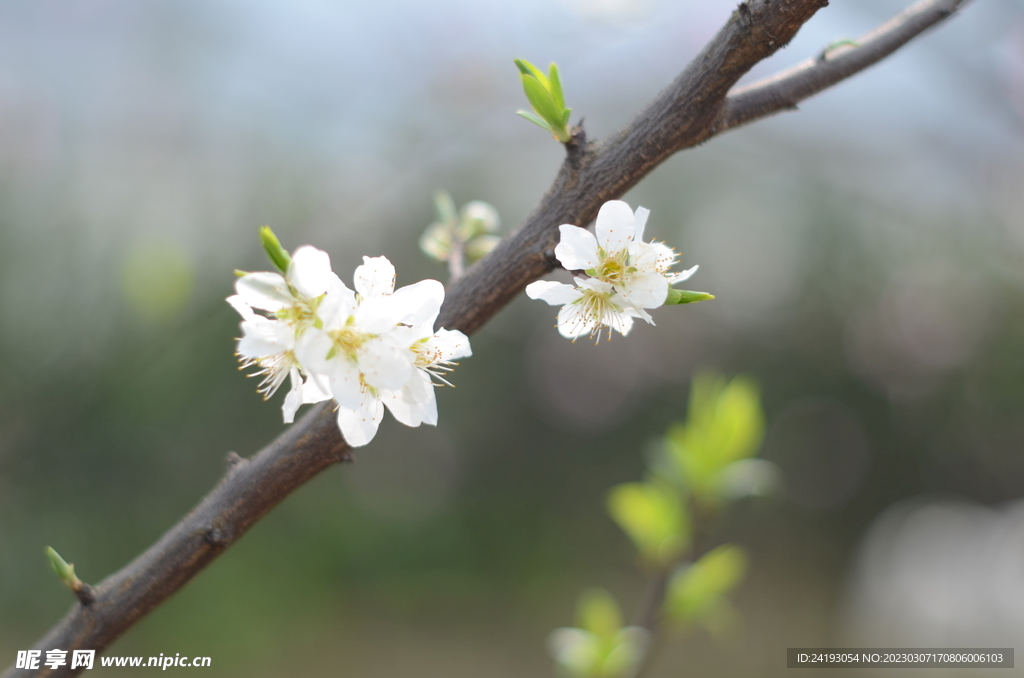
456	258
783	91
652	608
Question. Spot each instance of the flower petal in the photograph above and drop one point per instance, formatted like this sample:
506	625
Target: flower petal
577	248
359	425
555	293
316	389
413	404
681	276
419	304
264	290
646	289
384	365
448	345
293	400
336	308
310	272
344	383
572	323
620	322
615	226
639	221
260	340
635	312
375	278
243	308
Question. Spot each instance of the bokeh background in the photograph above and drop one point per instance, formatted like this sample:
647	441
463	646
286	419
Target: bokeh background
866	253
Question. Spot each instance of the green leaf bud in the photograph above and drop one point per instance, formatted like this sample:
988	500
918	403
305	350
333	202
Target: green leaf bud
685	297
278	256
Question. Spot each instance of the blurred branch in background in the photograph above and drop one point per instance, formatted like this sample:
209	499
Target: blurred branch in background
687	113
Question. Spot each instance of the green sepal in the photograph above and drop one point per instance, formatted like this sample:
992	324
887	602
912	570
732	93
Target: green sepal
676	297
275	252
240	273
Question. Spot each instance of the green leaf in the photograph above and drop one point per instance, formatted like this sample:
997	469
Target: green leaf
480	246
695	592
535	119
653	516
685	297
598	613
565	117
540	99
278	256
445	208
628	649
750	478
436	241
577	652
725	424
555	85
528	69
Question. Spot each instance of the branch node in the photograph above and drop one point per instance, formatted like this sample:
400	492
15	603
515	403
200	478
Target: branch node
216	537
86	595
232	461
576	147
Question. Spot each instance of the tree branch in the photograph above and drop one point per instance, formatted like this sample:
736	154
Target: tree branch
783	91
692	109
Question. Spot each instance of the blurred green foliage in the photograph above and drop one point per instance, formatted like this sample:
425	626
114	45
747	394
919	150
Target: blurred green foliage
697	593
653	515
468	233
725	424
598	646
663	515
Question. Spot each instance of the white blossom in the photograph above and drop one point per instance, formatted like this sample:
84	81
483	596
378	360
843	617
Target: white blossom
376	347
627	275
268	343
587	308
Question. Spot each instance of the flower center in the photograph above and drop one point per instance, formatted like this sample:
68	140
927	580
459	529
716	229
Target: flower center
430	359
348	341
301	314
613	269
595	305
